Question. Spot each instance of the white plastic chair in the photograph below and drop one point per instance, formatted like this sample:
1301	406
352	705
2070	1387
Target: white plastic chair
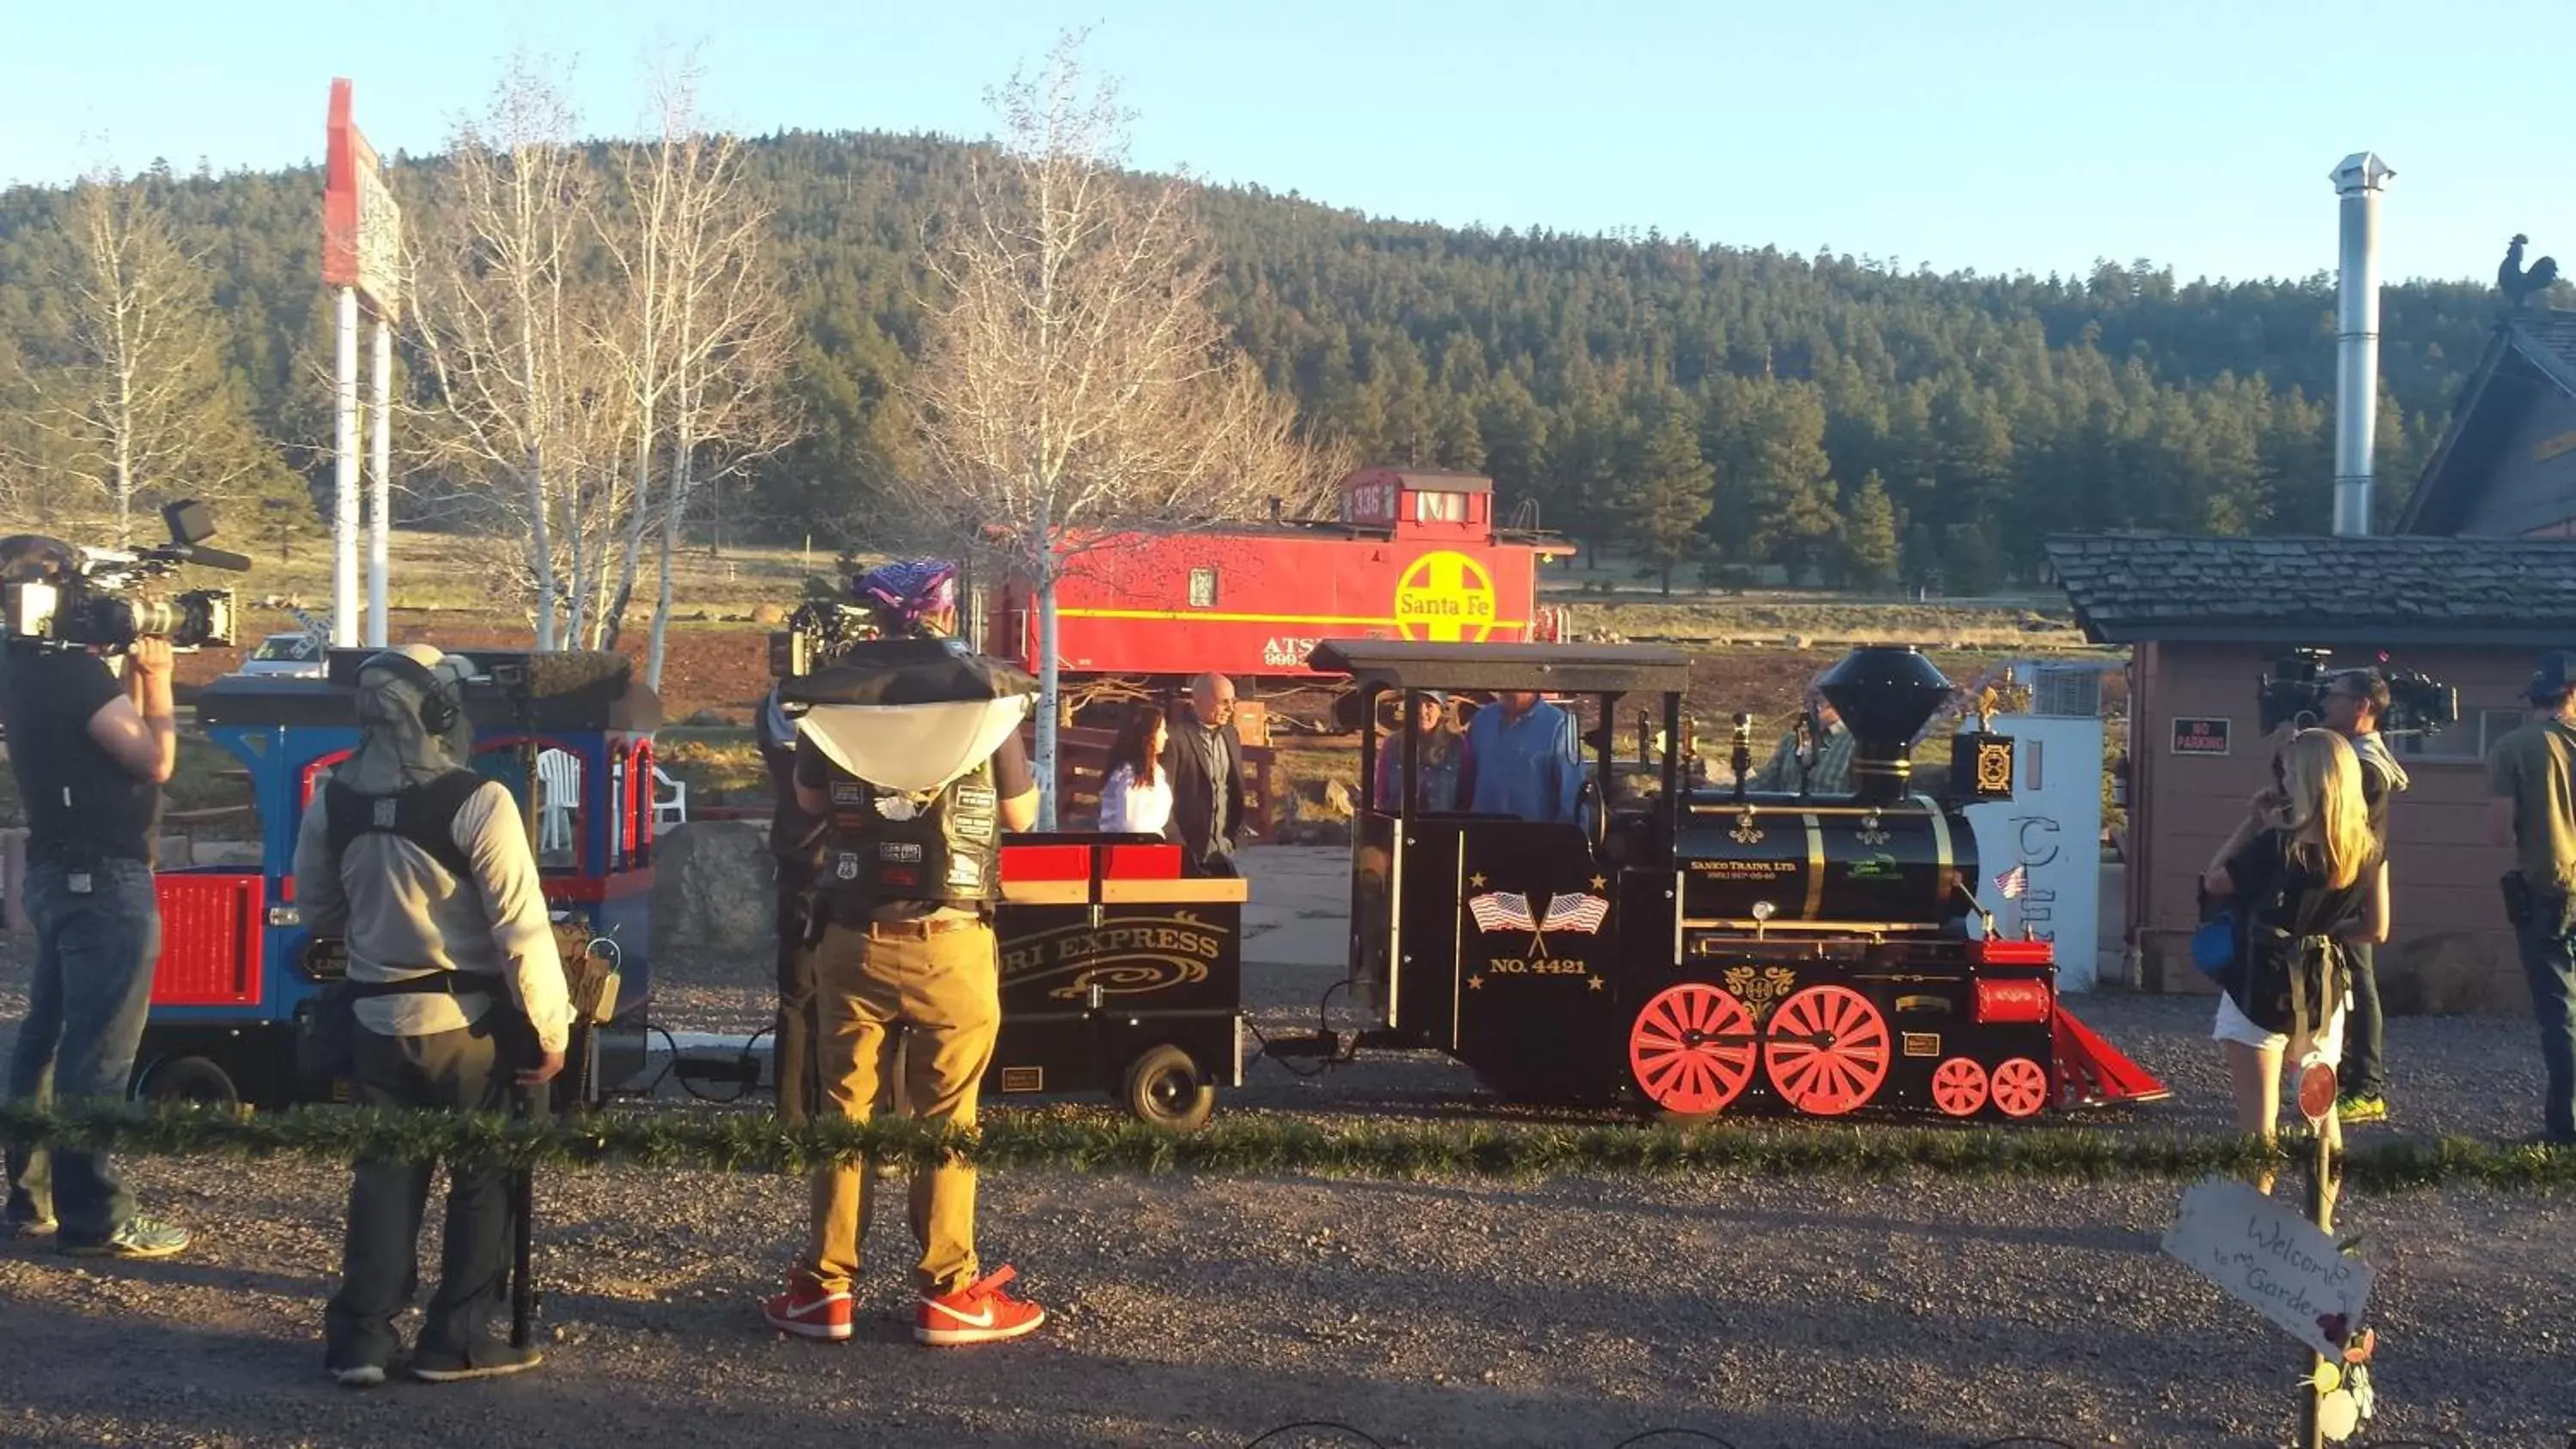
559	793
672	809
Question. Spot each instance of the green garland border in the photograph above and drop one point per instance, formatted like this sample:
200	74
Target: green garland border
1257	1146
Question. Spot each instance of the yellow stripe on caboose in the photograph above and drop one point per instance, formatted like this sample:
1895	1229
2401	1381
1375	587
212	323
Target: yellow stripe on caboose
1212	617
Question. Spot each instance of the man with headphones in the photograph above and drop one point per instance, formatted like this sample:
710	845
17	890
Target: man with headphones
423	868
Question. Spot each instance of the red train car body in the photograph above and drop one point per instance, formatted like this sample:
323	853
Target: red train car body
1412	555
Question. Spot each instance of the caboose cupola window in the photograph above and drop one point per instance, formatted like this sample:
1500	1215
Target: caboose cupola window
1440	507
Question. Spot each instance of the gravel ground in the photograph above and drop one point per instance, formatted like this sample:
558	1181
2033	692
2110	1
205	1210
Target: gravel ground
1571	1314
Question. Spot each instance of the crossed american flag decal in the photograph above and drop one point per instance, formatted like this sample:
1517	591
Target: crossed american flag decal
1566	911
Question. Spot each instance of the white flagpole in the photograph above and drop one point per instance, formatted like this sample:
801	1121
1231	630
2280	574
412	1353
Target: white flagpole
380	497
344	507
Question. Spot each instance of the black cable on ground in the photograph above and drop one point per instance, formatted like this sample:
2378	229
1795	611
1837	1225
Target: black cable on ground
1659	1433
1360	1435
668	1063
1286	1062
741	1092
669	1067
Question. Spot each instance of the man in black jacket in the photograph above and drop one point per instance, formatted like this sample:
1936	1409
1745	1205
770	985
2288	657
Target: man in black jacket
1204	761
796	844
2355	701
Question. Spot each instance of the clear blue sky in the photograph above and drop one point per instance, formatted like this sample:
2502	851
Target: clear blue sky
1999	136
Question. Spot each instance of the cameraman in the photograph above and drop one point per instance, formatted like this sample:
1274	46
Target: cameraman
2532	777
90	759
2353	703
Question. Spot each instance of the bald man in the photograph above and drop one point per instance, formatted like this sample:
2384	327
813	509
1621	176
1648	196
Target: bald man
1204	761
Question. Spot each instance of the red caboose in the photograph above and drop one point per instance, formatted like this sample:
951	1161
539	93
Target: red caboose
1413	555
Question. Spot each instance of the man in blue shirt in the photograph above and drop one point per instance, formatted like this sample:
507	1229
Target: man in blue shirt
1522	759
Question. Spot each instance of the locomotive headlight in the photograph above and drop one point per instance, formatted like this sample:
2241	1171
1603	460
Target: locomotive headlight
1764	910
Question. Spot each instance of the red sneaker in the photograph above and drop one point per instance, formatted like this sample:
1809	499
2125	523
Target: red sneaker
807	1311
980	1312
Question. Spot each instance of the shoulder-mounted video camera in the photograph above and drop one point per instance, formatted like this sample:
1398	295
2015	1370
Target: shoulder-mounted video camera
2293	691
104	601
817	635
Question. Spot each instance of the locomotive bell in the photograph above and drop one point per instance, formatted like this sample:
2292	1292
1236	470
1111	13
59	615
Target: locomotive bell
1884	693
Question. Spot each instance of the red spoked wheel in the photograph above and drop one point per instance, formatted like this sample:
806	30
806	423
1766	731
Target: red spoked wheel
1827	1050
1959	1087
2020	1087
1692	1048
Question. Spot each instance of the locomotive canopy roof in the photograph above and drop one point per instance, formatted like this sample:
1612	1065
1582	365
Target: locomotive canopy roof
565	690
1379	664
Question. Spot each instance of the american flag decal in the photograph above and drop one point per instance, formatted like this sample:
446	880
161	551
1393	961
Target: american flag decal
1576	913
1502	911
2013	882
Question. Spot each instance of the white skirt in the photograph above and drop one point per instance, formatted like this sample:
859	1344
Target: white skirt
2234	1025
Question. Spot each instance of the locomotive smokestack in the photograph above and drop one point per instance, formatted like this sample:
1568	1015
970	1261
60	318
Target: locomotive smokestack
1884	693
2357	181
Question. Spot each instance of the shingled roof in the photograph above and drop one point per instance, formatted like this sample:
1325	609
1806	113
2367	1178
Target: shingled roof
2531	353
2377	590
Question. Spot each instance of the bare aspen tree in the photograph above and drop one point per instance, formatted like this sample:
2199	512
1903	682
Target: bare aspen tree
707	336
1075	386
638	240
24	448
499	342
139	402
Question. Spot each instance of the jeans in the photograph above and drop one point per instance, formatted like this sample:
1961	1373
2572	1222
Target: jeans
98	935
460	1071
2546	960
2363	1038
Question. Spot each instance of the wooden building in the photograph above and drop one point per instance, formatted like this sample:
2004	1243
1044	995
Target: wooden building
2479	580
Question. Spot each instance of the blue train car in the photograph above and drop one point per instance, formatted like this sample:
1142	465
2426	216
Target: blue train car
571	734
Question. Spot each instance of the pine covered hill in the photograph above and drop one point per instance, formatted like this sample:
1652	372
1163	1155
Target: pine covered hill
1851	422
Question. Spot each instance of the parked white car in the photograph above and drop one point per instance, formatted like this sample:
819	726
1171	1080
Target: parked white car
293	656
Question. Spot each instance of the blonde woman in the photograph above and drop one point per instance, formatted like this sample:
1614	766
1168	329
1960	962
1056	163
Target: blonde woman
2308	882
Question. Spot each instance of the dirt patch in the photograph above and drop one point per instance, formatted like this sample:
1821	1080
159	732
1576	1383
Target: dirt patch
719	667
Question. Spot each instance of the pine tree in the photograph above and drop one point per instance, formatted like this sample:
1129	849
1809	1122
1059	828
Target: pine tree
1513	431
1869	536
1670	492
1457	443
1793	518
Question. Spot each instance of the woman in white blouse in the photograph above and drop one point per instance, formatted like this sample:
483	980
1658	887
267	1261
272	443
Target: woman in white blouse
1136	798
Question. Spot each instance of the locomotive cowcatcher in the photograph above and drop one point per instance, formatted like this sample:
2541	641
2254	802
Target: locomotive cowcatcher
1692	949
569	733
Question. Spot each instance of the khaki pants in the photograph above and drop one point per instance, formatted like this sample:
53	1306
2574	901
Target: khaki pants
944	993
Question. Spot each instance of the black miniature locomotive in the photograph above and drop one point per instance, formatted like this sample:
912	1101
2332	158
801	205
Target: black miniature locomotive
1698	948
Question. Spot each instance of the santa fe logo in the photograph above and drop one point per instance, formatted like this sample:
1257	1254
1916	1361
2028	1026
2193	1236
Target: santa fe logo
1445	596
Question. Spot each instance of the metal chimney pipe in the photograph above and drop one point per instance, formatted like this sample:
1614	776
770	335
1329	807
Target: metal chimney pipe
2357	181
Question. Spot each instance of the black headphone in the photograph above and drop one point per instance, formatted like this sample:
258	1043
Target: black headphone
440	709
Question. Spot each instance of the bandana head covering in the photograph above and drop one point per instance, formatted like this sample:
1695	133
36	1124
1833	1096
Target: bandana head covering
907	591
